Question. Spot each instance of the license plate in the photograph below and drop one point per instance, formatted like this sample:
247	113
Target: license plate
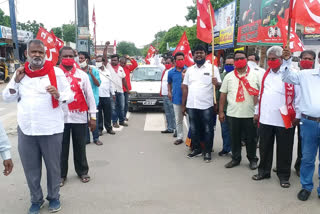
149	102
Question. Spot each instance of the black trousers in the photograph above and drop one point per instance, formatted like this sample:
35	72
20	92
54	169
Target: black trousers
284	138
299	151
104	114
79	137
243	127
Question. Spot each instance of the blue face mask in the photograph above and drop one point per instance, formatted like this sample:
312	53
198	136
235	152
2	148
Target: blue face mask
229	68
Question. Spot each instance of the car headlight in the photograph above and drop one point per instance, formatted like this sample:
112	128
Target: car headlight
133	94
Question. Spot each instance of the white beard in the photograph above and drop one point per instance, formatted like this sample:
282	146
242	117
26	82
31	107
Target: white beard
35	62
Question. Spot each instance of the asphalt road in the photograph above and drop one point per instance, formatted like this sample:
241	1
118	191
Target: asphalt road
139	170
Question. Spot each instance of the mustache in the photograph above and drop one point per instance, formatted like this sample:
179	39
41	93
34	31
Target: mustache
37	61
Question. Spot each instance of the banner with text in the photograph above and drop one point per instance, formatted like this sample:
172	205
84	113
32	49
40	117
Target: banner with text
224	30
258	22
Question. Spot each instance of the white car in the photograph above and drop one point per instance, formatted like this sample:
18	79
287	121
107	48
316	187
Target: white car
145	84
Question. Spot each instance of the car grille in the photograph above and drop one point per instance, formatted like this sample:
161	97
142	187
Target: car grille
149	95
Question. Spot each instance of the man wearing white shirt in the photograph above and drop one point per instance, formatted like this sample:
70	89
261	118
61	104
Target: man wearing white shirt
197	101
76	117
309	82
5	151
105	93
253	63
40	90
167	104
276	97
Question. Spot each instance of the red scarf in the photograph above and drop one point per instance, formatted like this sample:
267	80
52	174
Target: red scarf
243	80
47	69
289	91
79	104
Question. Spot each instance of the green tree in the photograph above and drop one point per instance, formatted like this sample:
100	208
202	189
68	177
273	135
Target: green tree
192	10
4	19
69	32
172	37
57	31
128	48
30	26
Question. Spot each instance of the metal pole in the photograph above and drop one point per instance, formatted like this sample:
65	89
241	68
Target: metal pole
75	22
14	29
212	43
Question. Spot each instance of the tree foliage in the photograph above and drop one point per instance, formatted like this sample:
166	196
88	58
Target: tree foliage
57	31
69	32
4	19
128	48
30	26
192	10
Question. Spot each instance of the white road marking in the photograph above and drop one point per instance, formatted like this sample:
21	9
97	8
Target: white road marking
154	122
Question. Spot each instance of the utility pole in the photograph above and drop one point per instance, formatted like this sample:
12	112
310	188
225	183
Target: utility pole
75	22
14	29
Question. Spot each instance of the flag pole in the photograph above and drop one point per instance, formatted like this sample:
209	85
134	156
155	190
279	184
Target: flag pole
212	43
289	22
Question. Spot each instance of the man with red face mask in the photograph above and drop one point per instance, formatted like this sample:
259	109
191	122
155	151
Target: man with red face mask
240	88
276	112
167	104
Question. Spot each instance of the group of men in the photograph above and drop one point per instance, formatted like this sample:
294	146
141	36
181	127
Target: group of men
55	102
253	105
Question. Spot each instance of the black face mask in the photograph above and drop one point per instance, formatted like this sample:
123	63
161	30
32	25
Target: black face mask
200	62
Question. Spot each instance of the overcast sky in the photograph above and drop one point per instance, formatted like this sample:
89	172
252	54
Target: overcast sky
122	20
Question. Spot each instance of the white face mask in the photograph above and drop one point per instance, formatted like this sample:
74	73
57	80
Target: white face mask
83	64
252	64
98	64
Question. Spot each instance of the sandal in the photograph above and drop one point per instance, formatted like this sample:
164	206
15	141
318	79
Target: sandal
63	180
85	178
285	184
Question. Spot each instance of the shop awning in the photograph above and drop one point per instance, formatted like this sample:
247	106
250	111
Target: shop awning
3	43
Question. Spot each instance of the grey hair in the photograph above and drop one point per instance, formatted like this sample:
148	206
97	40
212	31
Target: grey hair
34	41
276	50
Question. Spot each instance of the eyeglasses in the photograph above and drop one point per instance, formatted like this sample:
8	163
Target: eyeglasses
236	59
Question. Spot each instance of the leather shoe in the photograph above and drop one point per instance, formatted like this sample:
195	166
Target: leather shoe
123	124
178	142
166	132
111	132
259	177
303	195
194	153
232	164
98	143
223	153
175	134
116	125
253	165
207	157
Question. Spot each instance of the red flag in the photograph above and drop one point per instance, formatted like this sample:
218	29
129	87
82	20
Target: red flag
204	26
306	13
114	47
209	58
184	47
59	43
49	40
295	43
94	16
150	54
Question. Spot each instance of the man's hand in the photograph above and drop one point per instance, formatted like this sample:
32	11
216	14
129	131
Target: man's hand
255	118
19	74
90	71
215	81
286	54
184	110
296	122
92	125
222	117
8	165
170	96
53	91
127	56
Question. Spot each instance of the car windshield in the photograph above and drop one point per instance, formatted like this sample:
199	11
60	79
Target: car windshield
147	74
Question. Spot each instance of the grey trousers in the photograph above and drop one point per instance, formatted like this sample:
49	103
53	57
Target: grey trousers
31	150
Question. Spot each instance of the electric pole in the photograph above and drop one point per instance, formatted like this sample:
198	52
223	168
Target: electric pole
14	29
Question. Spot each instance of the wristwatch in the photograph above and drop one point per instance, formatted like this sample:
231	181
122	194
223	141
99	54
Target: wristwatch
93	118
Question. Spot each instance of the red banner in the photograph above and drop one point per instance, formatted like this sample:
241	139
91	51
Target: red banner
307	12
52	44
150	54
184	47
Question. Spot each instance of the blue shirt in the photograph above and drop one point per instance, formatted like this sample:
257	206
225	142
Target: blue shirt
175	79
95	88
309	81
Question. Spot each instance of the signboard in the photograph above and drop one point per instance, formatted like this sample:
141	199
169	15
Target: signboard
23	36
258	22
224	30
83	33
